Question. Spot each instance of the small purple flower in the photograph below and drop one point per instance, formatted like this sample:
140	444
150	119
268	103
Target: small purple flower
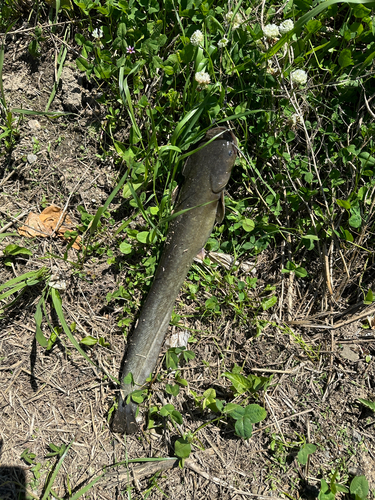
130	50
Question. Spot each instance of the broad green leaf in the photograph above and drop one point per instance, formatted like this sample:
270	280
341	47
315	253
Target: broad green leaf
125	248
126	193
166	410
248	225
304	452
231	408
182	448
348	235
269	302
172	389
300	272
359	487
344	204
313	25
240	383
244	427
360	11
89	340
255	413
369	299
146	237
138	396
13	249
345	58
325	491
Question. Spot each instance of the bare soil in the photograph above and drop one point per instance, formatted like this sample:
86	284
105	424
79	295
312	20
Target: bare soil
57	396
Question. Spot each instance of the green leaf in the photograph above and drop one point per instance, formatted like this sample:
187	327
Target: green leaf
313	25
355	220
325	491
182	448
369	299
13	249
347	235
360	11
366	159
138	396
359	487
172	389
166	410
240	383
146	237
209	398
304	452
345	58
368	403
255	413
344	204
269	302
126	193
245	417
57	304
248	225
300	272
6	235
125	248
233	408
244	427
89	340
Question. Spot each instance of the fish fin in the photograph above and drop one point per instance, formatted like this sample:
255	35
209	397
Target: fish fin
220	211
124	421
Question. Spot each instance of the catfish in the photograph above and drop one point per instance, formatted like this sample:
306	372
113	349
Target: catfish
201	202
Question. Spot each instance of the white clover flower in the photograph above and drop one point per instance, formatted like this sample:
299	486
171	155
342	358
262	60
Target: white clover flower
223	42
294	120
197	38
286	26
271	31
202	78
97	33
236	20
299	76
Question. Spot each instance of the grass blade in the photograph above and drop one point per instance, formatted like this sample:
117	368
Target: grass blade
102	209
38	316
55	472
57	304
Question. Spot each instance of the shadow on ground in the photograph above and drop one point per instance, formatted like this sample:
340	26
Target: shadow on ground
12	481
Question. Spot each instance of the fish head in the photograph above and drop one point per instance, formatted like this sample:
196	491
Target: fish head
223	156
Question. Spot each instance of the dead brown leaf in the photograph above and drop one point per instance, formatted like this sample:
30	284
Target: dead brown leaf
48	223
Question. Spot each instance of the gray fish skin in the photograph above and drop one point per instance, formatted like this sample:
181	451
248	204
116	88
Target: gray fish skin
206	174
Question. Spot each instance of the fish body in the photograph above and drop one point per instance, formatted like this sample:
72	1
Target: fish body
206	173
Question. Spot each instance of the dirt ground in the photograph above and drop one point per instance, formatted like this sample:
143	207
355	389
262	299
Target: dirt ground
57	396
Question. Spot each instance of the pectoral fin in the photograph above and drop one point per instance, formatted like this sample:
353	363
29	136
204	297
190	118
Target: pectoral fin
220	211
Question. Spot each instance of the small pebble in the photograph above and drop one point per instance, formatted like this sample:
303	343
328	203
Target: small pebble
356	436
31	158
34	125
